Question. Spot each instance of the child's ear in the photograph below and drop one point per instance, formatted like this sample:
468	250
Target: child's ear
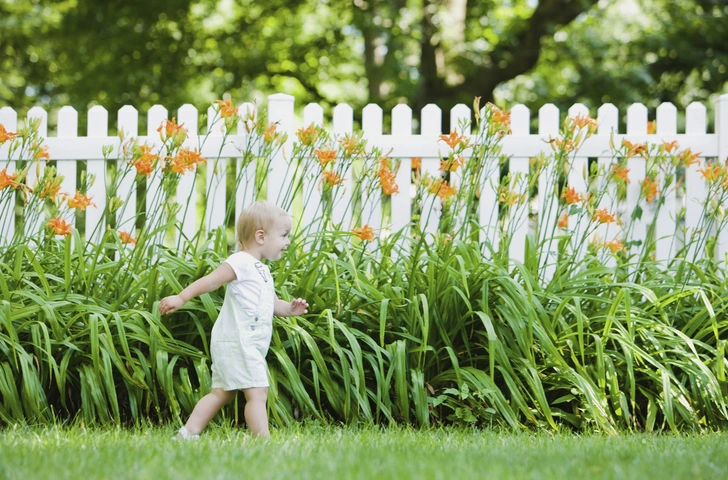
260	236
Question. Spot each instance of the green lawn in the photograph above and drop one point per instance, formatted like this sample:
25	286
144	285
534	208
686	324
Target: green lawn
332	452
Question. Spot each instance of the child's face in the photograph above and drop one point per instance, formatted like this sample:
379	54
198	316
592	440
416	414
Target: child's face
276	240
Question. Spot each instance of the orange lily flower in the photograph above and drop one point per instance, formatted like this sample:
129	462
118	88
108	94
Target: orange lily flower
388	181
5	135
169	129
634	149
366	233
500	117
80	201
670	146
688	158
452	164
331	178
621	173
454	139
350	144
42	152
585	121
126	238
572	196
563	221
615	246
144	160
8	180
711	174
562	144
270	134
227	109
325	156
186	160
603	216
650	188
59	226
307	136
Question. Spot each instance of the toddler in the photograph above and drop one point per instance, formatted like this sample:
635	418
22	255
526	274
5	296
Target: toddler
241	335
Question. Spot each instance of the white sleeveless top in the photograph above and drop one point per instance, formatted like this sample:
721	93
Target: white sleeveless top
241	335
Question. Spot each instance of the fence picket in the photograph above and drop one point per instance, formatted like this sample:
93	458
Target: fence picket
343	125
126	217
695	185
9	120
155	116
460	116
431	129
372	119
216	168
280	113
313	114
68	128
607	124
578	178
489	207
246	193
98	127
34	222
636	125
666	228
187	115
548	128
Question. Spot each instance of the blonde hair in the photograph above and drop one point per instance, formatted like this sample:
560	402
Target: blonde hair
260	215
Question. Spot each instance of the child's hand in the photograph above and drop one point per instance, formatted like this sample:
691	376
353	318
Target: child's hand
299	306
170	304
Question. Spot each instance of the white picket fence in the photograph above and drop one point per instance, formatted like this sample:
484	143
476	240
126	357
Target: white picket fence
67	148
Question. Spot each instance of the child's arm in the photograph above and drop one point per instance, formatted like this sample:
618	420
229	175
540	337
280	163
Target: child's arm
220	276
297	306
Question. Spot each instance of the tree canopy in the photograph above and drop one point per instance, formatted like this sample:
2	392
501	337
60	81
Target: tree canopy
81	52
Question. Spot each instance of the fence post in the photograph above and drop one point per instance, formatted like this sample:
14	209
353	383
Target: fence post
721	131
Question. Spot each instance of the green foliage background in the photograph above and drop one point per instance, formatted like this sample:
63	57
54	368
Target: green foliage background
82	53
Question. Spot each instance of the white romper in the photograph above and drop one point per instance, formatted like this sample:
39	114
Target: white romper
241	335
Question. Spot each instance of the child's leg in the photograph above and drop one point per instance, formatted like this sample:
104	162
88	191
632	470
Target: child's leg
256	415
207	408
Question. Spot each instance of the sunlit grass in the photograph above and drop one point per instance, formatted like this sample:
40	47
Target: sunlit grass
342	452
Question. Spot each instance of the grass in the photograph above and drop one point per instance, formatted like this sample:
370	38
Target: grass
344	452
